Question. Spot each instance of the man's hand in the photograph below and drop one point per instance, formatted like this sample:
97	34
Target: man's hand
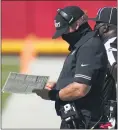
45	92
50	85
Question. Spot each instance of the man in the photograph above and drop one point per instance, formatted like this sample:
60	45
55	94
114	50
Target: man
106	27
82	76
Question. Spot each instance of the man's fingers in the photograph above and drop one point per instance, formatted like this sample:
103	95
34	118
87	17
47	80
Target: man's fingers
48	88
50	84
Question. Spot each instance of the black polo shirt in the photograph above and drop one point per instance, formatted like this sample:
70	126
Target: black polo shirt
86	64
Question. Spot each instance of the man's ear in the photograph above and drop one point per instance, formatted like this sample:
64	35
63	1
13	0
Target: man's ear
75	26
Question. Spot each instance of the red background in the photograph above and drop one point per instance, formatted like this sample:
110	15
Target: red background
21	18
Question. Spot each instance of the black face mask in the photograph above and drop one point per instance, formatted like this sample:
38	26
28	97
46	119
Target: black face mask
73	37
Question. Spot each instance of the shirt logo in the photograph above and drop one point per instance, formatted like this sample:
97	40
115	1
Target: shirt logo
82	65
57	24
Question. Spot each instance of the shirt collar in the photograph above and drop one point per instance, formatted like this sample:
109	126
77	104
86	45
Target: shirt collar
84	39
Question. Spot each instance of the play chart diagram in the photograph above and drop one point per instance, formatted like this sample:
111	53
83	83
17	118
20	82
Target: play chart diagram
23	83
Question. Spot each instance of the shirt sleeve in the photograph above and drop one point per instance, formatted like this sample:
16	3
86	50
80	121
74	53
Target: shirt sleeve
89	61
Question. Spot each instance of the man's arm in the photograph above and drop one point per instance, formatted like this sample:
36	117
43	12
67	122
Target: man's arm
87	68
73	91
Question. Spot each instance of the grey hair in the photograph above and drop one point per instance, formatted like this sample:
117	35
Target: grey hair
83	19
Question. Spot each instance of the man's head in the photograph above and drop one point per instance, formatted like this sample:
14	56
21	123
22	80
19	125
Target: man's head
106	22
68	20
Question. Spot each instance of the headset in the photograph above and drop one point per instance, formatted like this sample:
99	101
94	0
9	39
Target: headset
66	17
